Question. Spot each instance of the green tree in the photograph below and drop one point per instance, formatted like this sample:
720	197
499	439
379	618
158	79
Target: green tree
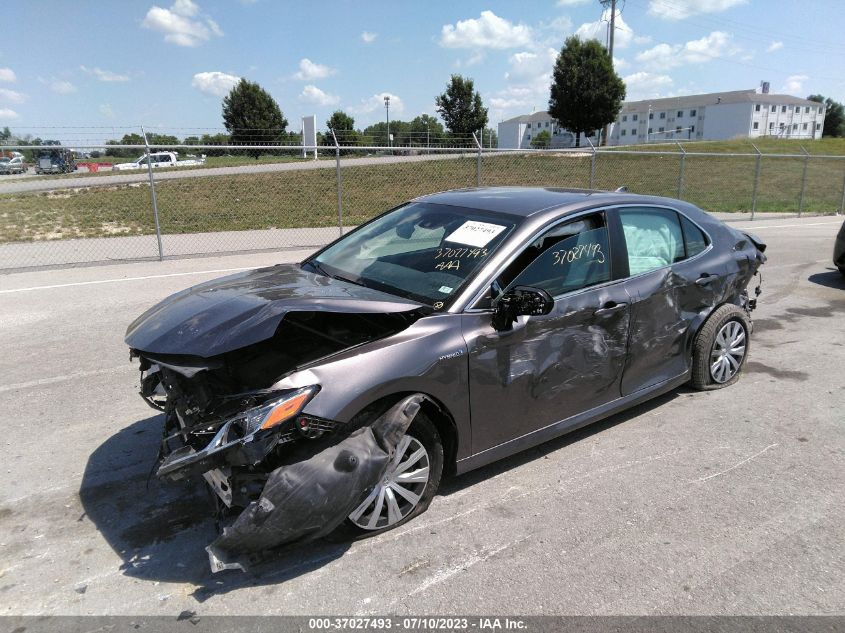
425	130
834	118
461	108
541	140
252	116
586	93
344	129
5	135
490	138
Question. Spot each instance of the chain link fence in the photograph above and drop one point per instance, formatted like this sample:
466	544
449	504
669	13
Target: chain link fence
223	199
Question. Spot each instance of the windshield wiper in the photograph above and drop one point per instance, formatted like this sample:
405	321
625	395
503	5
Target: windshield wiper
319	269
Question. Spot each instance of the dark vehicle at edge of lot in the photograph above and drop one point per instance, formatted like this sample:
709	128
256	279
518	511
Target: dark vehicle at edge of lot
54	160
839	250
329	397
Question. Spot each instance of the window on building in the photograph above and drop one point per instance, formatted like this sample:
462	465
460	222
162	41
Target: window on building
660	129
804	127
624	132
782	125
774	108
547	124
692	112
624	118
634	117
783	108
529	137
650	130
680	113
756	107
756	125
818	126
662	115
807	110
794	127
651	116
678	128
692	128
820	109
527	126
771	126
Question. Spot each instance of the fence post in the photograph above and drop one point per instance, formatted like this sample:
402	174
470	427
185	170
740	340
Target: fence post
339	184
592	164
803	181
842	200
478	164
681	170
756	180
153	195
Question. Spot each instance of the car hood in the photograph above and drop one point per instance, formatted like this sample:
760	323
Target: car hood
232	312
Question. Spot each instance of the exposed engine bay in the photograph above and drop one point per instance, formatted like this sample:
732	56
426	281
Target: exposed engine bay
225	420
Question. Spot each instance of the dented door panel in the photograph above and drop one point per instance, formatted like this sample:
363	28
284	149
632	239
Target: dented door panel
548	367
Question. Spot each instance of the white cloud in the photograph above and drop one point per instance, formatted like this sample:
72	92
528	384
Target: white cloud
309	71
312	94
62	87
774	46
11	96
794	84
571	3
620	64
182	23
529	65
488	31
476	58
375	102
664	56
645	85
598	30
106	110
104	75
369	37
7	114
7	74
681	9
215	83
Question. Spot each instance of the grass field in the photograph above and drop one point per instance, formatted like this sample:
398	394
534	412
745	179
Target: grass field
308	198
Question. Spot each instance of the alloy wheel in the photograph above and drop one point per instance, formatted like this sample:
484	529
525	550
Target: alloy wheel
400	489
728	351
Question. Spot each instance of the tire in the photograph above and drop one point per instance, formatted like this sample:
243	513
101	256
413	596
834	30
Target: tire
421	433
727	328
842	270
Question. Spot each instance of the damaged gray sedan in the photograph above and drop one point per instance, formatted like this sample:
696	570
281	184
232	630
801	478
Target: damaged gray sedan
331	396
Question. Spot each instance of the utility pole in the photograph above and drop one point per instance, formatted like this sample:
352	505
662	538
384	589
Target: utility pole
612	4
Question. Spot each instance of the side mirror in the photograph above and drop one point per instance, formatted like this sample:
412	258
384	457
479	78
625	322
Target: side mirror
518	301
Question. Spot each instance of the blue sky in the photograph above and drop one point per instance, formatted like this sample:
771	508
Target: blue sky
102	65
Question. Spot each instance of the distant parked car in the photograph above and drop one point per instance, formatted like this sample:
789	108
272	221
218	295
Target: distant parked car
160	159
839	250
55	161
14	165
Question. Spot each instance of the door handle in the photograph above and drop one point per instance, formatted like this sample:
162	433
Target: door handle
609	308
706	278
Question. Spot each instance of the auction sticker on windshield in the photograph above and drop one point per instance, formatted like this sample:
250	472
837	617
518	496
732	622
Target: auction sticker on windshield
473	233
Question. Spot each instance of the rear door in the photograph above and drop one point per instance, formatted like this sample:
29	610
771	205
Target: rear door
673	279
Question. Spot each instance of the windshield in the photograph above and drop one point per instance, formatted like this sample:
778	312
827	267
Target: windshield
420	251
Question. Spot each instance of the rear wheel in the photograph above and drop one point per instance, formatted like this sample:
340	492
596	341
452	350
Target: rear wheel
721	348
407	487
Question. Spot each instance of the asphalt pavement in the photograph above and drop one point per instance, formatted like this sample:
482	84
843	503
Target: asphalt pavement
724	502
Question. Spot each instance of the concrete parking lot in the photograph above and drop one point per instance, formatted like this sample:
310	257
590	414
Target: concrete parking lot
726	502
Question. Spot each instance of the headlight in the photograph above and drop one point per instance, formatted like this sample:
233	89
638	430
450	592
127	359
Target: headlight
275	412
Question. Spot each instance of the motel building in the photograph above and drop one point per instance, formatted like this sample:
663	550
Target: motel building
711	117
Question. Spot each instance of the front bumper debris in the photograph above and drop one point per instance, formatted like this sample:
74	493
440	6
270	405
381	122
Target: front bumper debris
309	499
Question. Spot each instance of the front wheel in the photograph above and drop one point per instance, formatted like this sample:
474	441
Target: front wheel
407	487
721	348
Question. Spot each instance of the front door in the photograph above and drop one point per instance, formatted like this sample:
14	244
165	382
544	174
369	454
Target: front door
549	368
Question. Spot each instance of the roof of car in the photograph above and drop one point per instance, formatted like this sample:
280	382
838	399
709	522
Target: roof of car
519	200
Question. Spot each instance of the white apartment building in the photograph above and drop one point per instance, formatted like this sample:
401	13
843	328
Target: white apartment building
717	116
516	133
713	116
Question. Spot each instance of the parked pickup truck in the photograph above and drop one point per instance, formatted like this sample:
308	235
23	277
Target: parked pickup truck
160	159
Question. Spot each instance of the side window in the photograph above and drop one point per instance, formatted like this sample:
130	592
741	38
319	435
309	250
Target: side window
566	258
653	238
694	238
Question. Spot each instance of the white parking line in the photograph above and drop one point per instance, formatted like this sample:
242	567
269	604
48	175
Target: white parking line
784	226
112	281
